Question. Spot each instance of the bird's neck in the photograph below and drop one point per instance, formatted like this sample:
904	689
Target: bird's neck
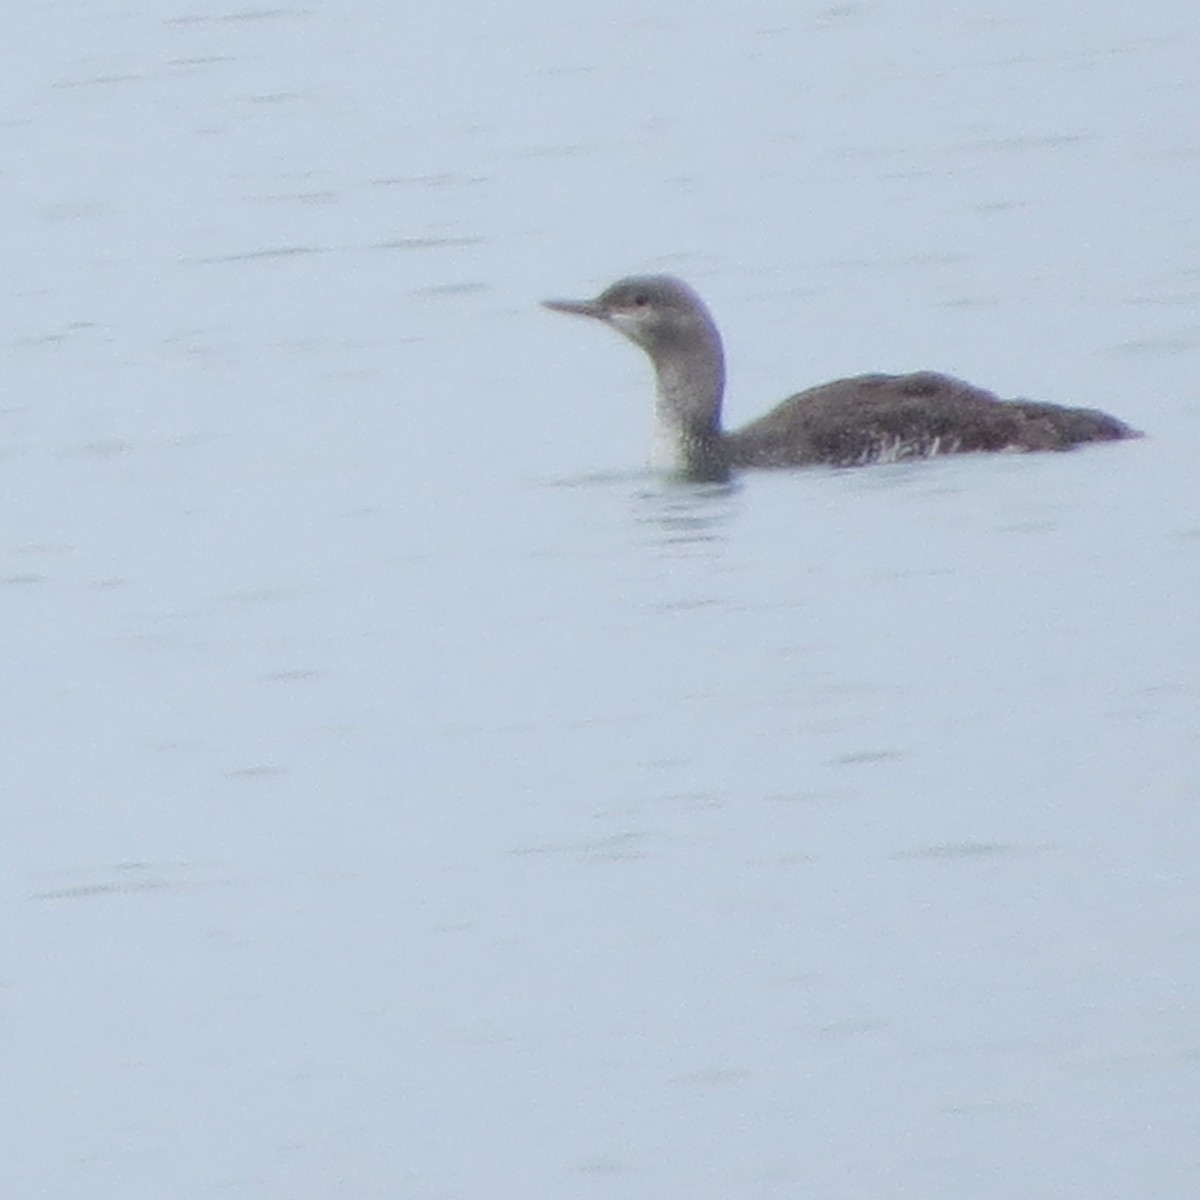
691	383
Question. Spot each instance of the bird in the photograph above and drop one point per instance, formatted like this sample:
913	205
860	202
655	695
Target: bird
846	423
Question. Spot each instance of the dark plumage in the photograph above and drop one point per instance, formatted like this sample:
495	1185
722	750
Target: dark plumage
850	422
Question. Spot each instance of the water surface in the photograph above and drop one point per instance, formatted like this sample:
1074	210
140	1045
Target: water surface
409	795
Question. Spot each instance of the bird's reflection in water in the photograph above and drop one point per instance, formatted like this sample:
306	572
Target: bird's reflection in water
685	517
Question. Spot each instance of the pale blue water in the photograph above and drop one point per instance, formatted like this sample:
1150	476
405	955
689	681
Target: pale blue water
408	795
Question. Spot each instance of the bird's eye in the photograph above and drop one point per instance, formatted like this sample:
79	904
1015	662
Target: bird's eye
641	300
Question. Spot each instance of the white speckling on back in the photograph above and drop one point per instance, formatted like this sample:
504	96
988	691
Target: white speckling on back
896	449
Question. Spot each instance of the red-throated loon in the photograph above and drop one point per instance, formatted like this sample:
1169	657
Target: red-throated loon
850	422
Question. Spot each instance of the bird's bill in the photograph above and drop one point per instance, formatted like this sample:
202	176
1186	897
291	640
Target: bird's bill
580	308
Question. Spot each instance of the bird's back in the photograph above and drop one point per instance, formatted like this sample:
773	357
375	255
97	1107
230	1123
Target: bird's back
885	418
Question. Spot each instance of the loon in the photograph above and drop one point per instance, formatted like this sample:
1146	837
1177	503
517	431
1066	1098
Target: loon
849	422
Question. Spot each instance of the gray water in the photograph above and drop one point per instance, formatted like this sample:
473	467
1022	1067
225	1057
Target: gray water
406	794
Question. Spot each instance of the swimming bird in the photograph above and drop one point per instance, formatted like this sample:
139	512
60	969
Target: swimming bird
849	422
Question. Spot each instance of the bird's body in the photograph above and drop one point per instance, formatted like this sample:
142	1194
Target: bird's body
850	422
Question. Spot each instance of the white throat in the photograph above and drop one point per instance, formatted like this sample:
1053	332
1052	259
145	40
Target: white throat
668	449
